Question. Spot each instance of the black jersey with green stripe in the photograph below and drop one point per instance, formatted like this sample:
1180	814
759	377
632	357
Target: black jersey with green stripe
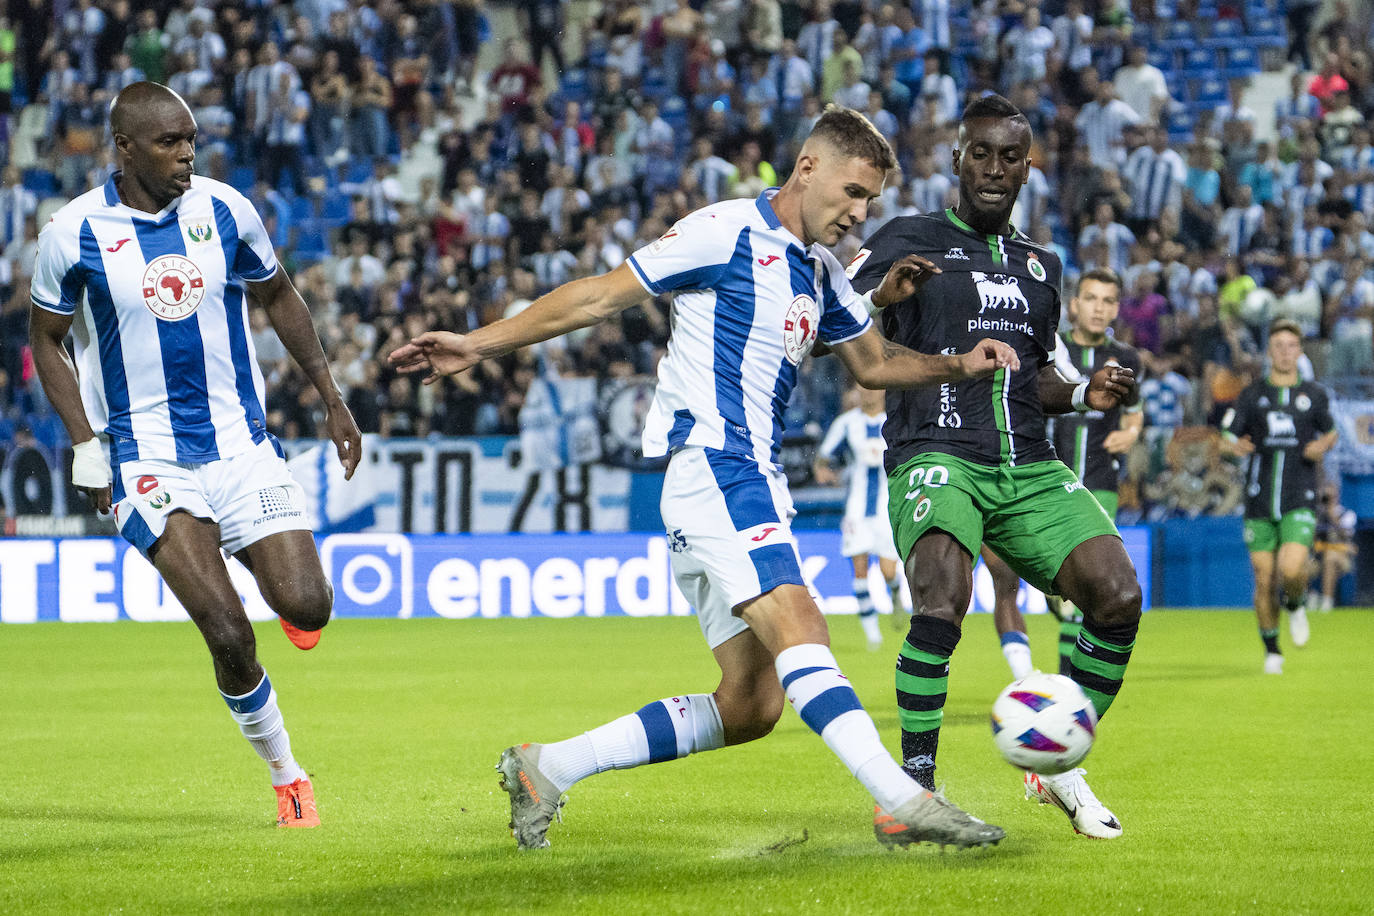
1079	437
999	286
1280	421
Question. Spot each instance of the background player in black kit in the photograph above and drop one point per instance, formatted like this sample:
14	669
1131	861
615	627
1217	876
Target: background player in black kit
969	463
1283	426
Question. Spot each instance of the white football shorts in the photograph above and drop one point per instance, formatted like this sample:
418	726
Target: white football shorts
729	529
250	495
871	534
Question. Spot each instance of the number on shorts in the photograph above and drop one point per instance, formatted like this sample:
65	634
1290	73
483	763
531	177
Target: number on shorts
934	477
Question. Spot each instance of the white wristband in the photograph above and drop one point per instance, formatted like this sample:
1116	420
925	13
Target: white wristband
1080	394
89	467
867	300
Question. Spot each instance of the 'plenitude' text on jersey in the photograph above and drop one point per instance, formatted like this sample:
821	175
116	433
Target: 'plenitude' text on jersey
862	436
160	318
752	300
1078	437
998	286
1280	421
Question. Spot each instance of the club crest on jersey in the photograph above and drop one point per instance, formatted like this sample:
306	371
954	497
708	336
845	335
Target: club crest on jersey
859	259
1303	403
173	287
799	328
200	232
1037	270
999	291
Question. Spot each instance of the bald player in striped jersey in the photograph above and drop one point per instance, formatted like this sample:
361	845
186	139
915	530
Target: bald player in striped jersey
754	291
152	273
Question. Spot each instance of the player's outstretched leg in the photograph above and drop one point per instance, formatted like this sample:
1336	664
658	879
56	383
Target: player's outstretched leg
261	722
1099	578
536	775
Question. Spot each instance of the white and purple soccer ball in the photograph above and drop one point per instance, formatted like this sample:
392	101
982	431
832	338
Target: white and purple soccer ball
1043	723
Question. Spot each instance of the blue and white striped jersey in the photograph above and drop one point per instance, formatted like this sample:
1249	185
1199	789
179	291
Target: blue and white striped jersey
862	436
752	300
160	318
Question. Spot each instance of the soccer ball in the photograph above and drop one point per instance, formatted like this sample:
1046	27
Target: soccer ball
1043	723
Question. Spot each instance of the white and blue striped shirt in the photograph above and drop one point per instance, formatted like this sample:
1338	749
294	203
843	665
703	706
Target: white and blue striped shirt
1156	181
752	300
862	436
160	318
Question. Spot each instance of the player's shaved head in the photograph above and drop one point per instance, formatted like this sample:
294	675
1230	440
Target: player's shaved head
143	104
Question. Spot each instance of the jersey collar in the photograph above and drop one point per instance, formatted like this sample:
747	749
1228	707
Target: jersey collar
112	200
765	204
949	215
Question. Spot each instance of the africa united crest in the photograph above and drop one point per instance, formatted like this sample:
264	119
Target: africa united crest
799	328
173	287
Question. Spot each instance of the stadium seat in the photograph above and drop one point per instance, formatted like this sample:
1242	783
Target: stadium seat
241	178
334	209
674	112
1224	33
359	170
1210	92
1163	58
1199	61
1243	61
573	85
1177	35
40	182
312	243
301	208
1267	32
1181	121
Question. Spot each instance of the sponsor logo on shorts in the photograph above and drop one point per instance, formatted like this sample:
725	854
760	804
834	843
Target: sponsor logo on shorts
765	533
156	497
276	504
1073	485
677	543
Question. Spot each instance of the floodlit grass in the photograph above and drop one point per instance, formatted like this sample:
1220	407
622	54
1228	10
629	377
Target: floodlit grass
127	788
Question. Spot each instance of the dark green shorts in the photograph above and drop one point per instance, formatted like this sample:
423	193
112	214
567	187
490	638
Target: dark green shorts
1263	535
1031	516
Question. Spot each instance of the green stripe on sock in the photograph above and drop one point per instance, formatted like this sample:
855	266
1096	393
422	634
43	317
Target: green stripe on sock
921	686
913	721
921	655
1100	668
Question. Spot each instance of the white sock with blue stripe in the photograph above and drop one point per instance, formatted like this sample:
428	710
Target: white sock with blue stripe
825	701
664	730
260	721
868	611
1016	648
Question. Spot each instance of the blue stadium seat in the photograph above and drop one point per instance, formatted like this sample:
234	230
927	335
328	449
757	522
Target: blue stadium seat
335	208
301	208
40	181
359	170
1163	58
241	178
1200	60
573	85
674	112
1242	62
1210	91
312	242
1181	122
1267	32
1176	36
1225	33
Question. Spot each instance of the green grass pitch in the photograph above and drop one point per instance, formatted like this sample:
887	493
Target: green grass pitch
127	788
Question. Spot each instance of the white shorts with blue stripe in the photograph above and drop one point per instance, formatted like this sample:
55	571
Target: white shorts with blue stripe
729	528
871	534
250	496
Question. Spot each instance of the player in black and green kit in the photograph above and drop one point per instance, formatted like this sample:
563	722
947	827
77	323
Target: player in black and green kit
1283	426
970	463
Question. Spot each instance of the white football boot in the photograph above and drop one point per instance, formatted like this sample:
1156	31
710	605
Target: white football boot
1069	793
1273	663
1298	627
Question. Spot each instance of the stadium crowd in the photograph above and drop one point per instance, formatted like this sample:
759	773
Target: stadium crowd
440	163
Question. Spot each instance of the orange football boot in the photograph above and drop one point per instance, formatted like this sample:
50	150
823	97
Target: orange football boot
301	639
296	805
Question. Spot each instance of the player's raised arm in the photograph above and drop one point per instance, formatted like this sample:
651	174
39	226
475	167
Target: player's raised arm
290	318
879	363
1109	387
576	304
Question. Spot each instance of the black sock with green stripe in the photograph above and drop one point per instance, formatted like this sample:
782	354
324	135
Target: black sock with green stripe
1099	660
1270	638
922	681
